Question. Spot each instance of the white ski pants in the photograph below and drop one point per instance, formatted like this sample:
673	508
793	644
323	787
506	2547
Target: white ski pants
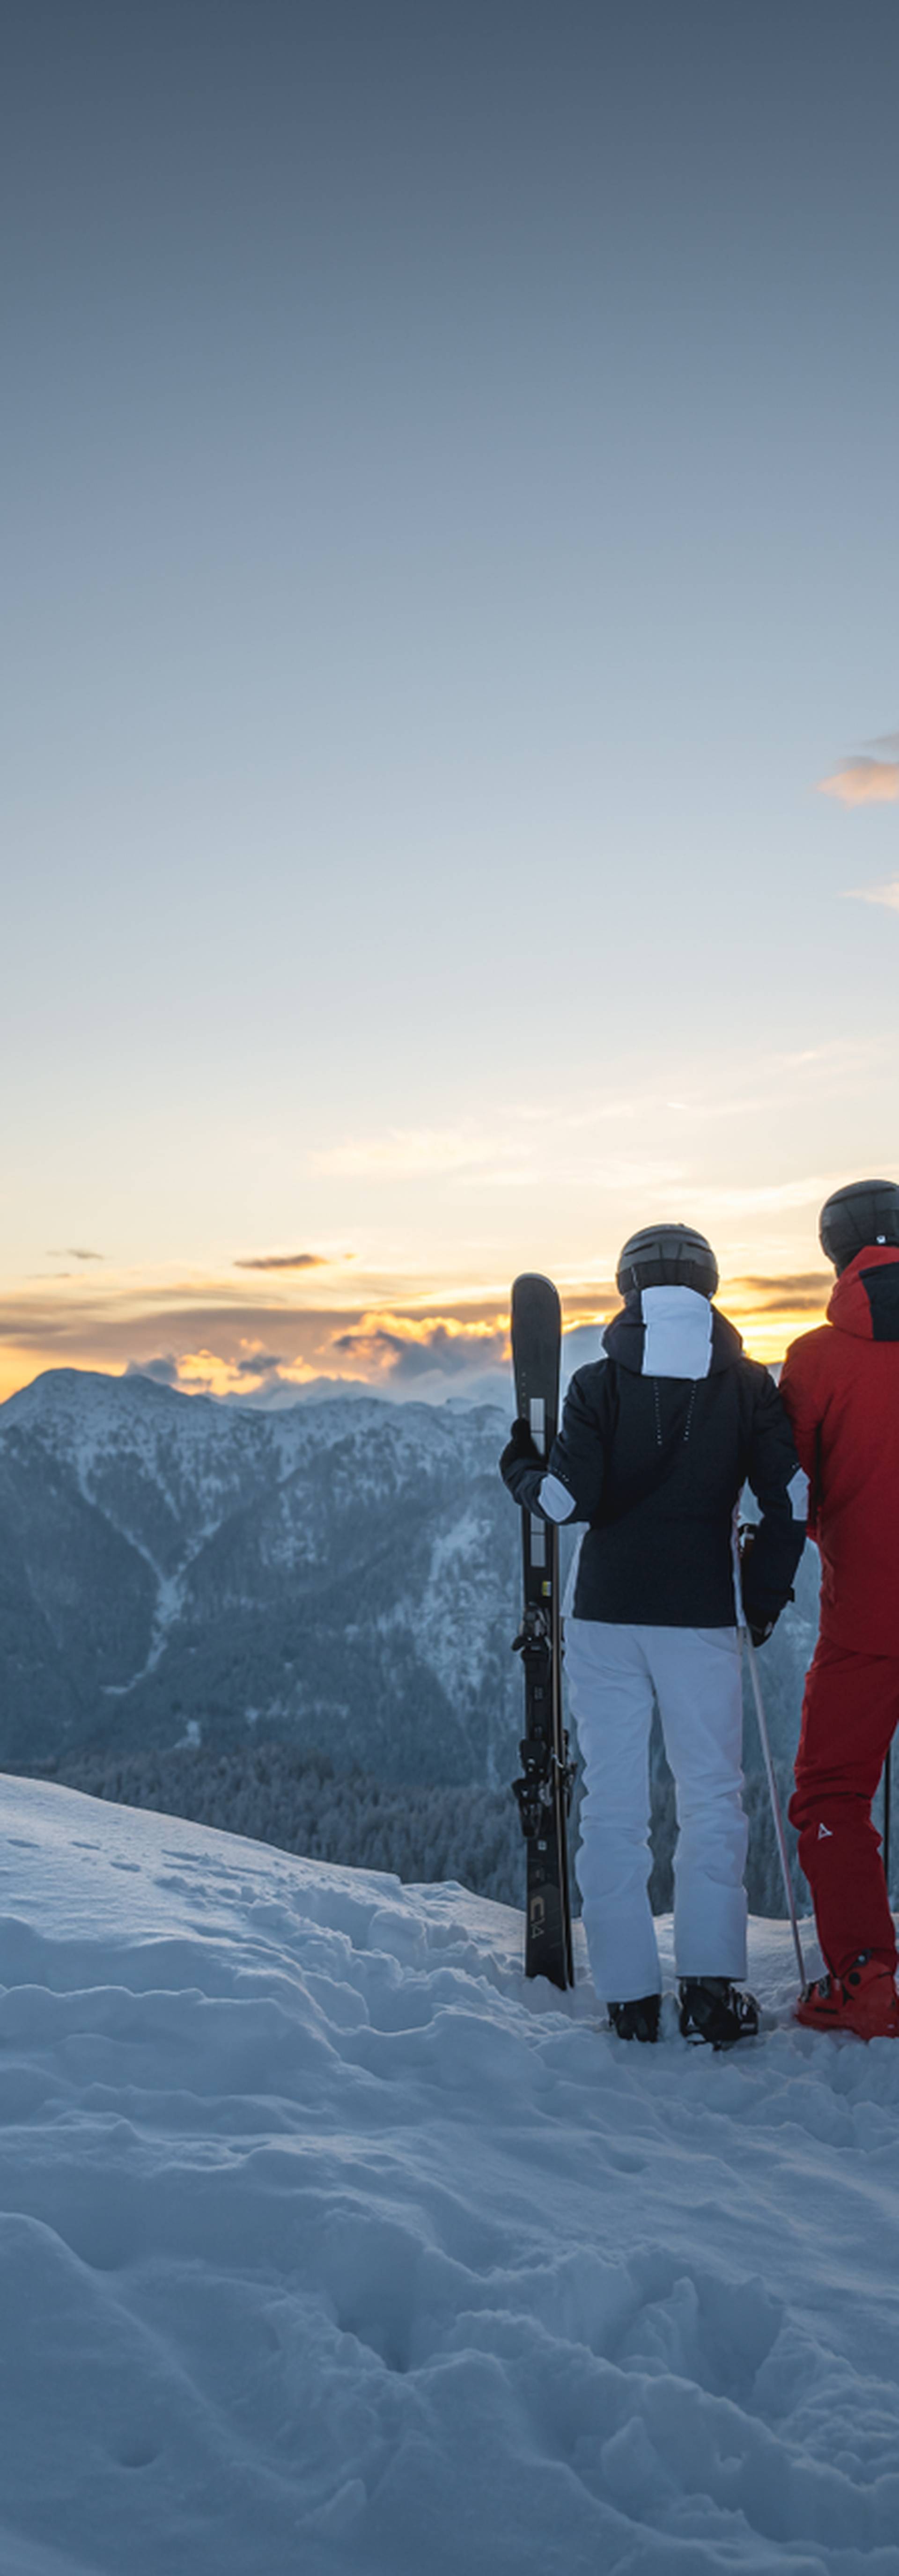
694	1673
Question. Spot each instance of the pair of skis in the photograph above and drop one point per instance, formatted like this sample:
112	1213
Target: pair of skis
544	1788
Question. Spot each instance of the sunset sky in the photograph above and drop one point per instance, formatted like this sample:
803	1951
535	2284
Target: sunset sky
451	767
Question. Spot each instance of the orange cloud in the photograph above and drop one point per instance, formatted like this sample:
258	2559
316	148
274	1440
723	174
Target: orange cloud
863	781
408	1347
887	894
285	1261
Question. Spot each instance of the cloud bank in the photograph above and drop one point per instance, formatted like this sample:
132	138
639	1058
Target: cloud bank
405	1349
208	1338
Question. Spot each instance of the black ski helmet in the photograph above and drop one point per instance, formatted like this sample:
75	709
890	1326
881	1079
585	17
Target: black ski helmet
862	1213
666	1256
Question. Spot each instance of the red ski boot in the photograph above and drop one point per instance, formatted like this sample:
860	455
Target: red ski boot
864	2000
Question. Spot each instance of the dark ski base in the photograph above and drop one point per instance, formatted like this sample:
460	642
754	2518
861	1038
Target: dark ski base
544	1788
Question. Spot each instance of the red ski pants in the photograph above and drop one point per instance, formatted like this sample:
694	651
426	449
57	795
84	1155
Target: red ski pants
849	1712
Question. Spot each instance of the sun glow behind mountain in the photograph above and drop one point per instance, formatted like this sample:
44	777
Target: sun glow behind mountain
404	1341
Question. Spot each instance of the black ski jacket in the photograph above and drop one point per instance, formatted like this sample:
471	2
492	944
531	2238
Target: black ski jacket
654	1462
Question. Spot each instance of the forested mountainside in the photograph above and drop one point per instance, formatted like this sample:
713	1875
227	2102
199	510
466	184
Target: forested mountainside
342	1574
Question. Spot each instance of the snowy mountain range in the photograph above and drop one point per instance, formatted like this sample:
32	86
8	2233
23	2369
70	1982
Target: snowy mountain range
340	1574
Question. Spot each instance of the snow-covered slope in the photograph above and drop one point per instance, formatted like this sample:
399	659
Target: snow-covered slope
327	2245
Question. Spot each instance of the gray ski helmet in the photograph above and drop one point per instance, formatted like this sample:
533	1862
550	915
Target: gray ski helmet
862	1213
665	1256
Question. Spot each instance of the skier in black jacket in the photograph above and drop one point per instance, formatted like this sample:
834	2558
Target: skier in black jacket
657	1439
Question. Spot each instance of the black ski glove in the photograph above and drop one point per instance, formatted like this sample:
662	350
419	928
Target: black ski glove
761	1615
520	1451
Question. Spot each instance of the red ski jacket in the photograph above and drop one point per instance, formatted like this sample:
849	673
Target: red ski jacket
840	1386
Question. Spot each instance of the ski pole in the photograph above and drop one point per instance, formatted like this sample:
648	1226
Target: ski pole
774	1796
887	1785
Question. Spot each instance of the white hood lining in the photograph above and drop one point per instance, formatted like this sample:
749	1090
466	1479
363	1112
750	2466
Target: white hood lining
677	1336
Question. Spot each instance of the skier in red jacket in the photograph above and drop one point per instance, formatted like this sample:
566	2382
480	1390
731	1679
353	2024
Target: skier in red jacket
840	1386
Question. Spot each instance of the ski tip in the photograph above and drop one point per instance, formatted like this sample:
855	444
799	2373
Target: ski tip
533	1293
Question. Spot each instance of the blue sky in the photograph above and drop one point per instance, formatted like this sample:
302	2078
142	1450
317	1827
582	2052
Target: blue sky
452	517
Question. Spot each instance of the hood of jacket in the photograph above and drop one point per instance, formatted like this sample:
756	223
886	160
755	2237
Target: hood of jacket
671	1332
865	1299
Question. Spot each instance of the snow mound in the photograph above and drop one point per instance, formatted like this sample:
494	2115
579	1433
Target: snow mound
328	2245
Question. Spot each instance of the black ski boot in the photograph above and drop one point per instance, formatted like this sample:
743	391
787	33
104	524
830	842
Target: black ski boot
713	2009
638	2020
